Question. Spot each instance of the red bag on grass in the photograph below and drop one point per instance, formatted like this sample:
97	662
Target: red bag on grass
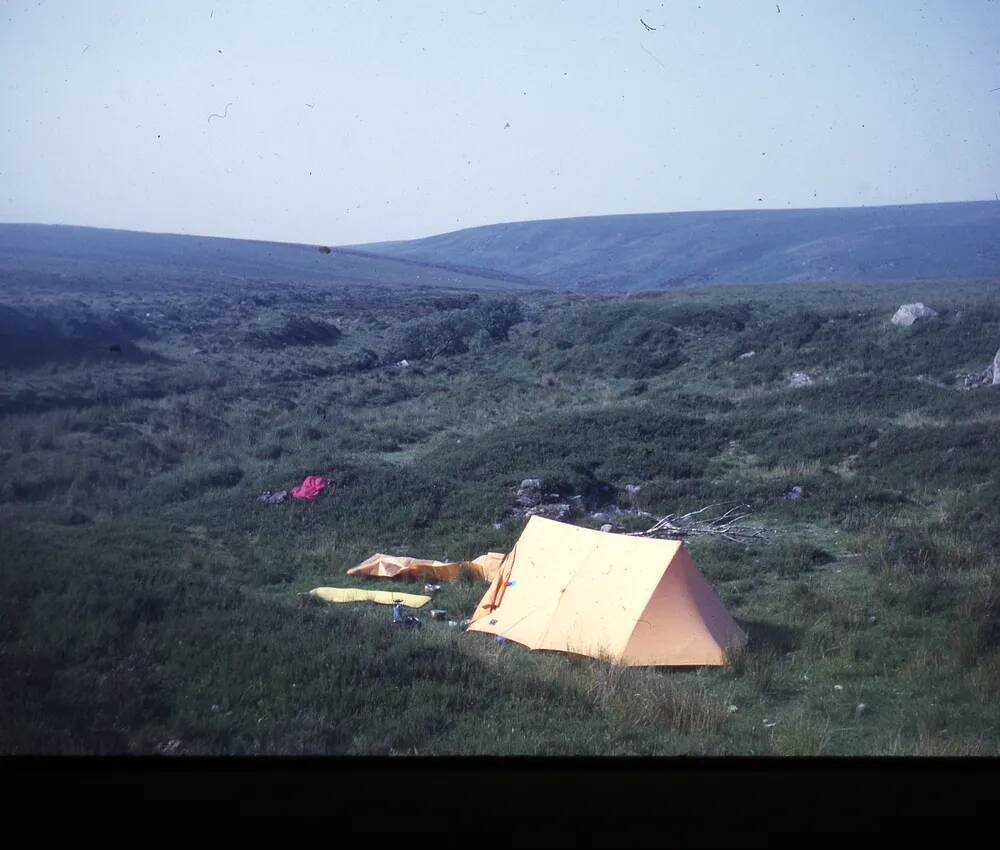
311	487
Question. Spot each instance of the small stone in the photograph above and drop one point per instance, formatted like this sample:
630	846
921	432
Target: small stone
733	709
838	687
872	619
770	724
632	488
746	355
800	379
607	527
907	314
861	709
216	708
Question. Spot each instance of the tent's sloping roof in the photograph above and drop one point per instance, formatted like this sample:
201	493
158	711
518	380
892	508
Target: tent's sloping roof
608	588
550	563
577	590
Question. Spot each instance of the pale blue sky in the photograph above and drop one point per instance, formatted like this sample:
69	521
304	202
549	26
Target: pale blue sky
351	122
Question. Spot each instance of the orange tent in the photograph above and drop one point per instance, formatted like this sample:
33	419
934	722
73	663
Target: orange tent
393	566
639	601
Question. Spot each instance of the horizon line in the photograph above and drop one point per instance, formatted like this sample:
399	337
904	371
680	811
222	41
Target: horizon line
348	246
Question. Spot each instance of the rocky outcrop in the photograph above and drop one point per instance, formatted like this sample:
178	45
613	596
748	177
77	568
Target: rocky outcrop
529	493
989	377
531	499
907	314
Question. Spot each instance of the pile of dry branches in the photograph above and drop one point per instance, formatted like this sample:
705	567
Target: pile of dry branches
694	524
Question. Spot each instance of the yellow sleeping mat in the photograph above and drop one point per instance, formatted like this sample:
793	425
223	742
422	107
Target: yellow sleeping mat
354	594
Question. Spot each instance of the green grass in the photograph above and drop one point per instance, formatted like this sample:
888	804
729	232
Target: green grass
146	598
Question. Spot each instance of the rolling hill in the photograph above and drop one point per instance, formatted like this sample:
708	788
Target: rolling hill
665	250
621	253
113	256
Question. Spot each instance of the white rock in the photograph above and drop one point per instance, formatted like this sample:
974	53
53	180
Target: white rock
733	709
746	355
838	687
800	379
907	314
996	368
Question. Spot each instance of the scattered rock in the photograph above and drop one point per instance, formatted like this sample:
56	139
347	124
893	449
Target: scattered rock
838	687
529	493
733	709
531	499
861	709
971	380
793	494
559	511
872	619
770	724
800	379
169	748
635	488
907	314
989	377
746	355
